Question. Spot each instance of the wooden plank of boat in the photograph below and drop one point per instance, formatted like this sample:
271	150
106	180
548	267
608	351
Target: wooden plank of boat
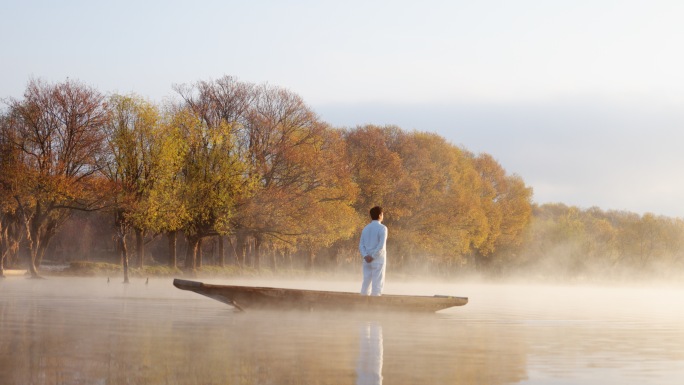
248	297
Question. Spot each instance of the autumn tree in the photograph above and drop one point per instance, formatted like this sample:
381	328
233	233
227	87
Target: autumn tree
293	160
326	211
303	193
143	159
214	175
60	134
374	167
444	218
10	170
165	210
221	103
506	202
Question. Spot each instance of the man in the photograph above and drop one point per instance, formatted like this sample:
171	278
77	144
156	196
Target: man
373	248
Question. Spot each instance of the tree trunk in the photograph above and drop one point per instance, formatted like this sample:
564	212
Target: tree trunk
249	257
199	252
34	244
140	246
124	256
121	234
173	262
274	261
42	249
233	251
257	251
46	236
4	247
240	248
3	254
311	258
221	252
30	226
191	253
33	255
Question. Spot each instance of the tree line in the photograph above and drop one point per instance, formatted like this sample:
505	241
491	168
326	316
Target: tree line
251	172
250	164
569	242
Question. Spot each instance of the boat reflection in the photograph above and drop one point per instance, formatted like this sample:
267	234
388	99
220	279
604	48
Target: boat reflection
369	365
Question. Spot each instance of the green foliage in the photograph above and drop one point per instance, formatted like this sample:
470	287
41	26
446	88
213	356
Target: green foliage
213	177
580	243
143	160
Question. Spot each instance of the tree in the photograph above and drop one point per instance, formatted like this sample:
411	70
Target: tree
214	177
59	131
443	215
167	211
374	167
143	160
10	170
222	103
287	156
507	205
297	159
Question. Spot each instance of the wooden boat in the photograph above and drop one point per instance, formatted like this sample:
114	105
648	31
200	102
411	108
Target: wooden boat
247	297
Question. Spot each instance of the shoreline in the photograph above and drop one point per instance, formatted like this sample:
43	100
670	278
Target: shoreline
14	272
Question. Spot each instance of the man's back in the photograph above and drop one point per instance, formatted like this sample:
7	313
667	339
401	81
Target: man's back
373	241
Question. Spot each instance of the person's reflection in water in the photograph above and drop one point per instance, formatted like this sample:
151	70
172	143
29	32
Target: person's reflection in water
369	367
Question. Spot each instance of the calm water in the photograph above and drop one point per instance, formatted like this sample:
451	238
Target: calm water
88	331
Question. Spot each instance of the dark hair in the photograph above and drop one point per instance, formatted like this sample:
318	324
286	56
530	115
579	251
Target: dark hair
375	213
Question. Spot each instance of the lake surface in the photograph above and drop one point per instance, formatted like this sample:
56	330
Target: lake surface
87	331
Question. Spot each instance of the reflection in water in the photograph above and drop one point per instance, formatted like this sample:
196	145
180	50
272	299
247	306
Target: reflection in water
84	331
369	367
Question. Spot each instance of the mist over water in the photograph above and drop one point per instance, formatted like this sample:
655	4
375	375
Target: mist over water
88	331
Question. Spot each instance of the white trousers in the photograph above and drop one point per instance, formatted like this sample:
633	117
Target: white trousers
373	278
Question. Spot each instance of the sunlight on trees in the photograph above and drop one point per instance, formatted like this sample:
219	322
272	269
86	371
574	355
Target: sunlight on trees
59	130
255	166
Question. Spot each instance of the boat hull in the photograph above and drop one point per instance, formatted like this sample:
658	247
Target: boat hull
247	297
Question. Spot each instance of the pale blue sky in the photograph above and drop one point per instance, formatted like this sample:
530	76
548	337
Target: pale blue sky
583	99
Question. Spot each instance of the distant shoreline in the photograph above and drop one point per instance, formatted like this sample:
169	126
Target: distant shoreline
14	272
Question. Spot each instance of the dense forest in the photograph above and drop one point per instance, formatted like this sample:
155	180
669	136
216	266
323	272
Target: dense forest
229	173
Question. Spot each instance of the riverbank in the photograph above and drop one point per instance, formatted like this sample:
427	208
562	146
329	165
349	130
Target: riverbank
345	272
105	269
14	272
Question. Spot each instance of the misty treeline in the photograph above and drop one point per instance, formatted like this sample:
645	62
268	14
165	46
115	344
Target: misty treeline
249	167
569	242
233	173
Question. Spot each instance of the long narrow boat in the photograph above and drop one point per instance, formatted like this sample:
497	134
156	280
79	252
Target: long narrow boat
248	297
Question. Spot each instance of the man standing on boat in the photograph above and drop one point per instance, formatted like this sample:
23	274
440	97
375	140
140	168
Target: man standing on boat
373	248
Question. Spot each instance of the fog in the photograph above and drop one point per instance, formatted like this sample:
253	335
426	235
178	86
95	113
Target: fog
84	330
